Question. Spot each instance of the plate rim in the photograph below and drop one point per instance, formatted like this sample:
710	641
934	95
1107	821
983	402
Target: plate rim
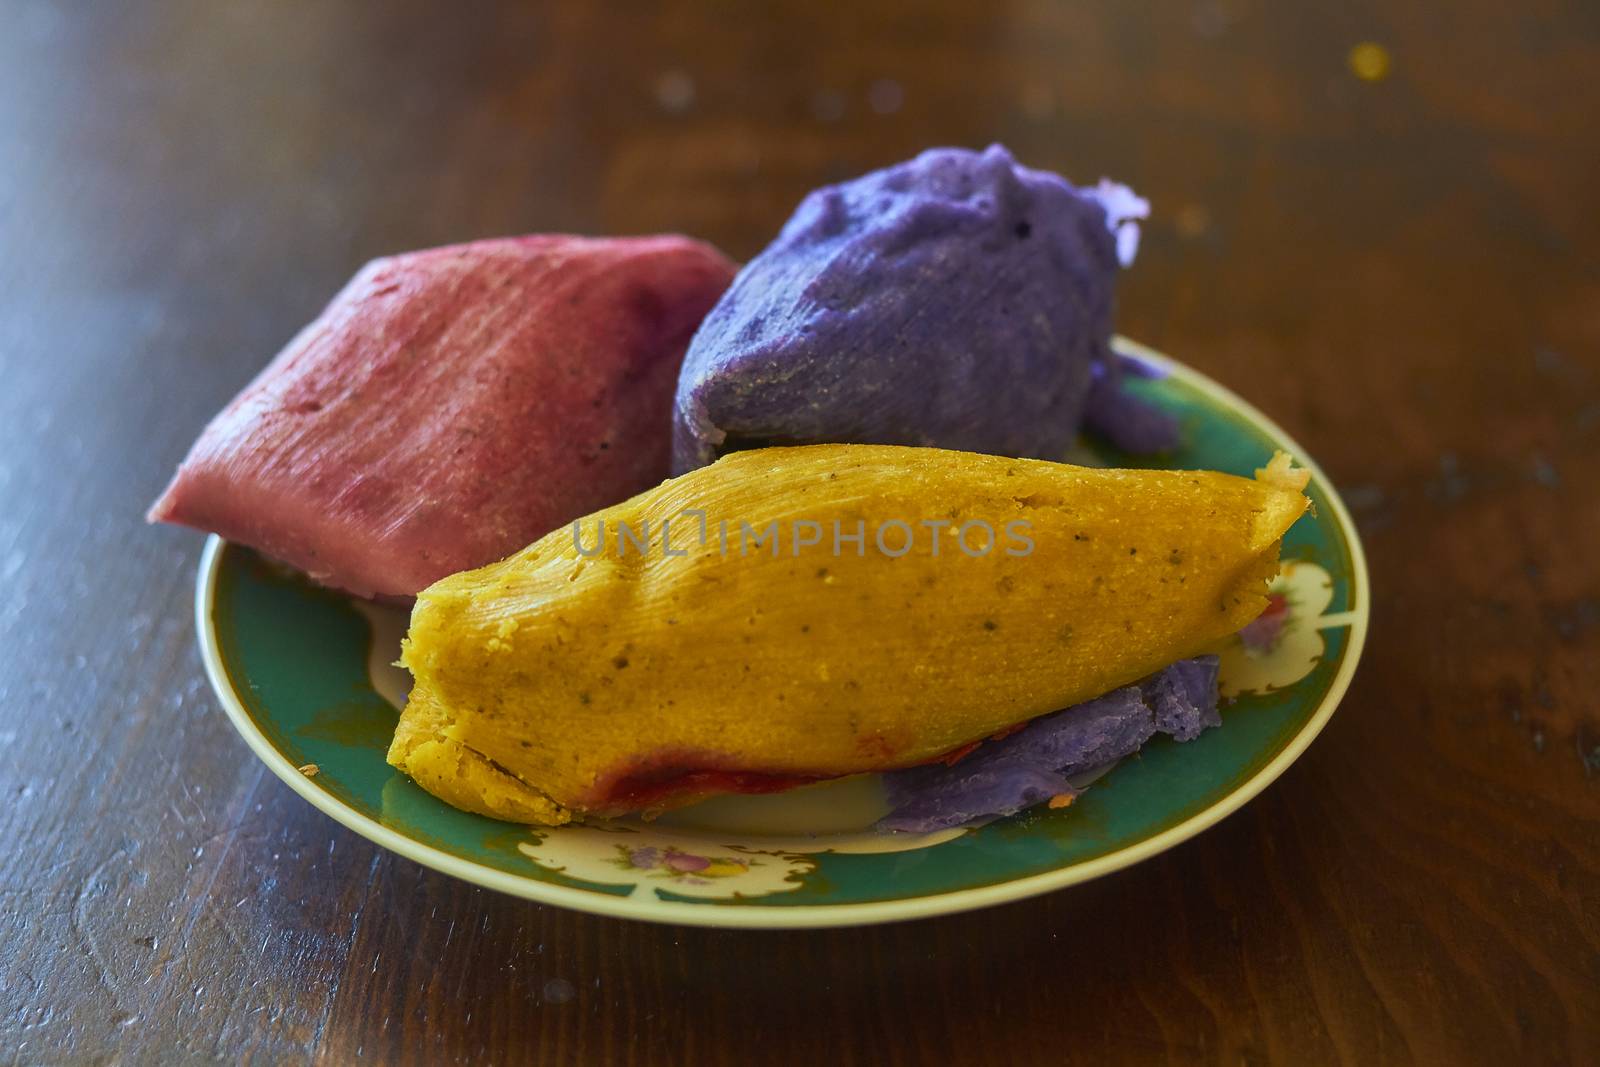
811	916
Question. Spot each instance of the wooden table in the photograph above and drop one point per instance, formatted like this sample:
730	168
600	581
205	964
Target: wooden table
1400	265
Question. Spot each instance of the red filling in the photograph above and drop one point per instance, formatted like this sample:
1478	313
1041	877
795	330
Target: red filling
653	785
672	777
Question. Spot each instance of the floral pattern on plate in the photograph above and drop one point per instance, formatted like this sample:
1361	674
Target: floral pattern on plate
1285	643
649	861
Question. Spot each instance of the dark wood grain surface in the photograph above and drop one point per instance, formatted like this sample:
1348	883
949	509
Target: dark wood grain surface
1403	271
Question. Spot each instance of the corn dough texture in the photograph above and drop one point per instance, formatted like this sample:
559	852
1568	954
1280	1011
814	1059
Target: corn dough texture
551	684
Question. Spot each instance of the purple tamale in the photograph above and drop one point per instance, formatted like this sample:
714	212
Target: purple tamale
957	300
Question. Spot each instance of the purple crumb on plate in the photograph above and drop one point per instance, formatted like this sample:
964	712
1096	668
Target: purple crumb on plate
974	794
1183	697
1138	367
1034	764
1127	421
956	300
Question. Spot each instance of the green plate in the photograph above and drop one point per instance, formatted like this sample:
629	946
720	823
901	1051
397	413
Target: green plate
306	676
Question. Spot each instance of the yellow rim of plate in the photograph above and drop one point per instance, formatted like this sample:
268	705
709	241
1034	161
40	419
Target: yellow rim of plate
653	909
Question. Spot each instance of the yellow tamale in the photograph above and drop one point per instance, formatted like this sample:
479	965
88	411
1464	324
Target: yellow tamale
790	614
